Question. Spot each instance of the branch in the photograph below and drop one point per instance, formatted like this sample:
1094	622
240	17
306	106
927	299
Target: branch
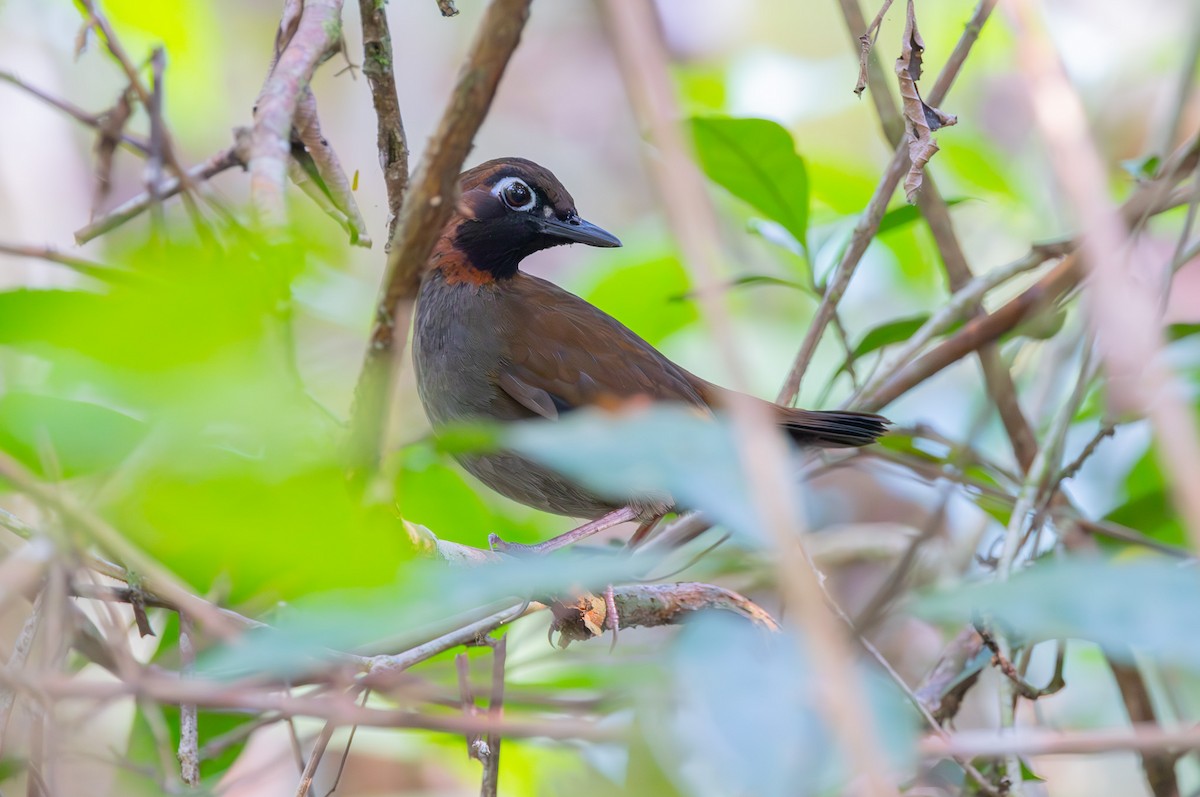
339	710
495	712
236	155
308	32
1144	737
156	578
425	212
392	143
868	225
95	121
651	605
1139	378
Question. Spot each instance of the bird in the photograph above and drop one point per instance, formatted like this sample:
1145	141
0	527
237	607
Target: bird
493	343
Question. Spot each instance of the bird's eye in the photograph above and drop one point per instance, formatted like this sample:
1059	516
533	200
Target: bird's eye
517	195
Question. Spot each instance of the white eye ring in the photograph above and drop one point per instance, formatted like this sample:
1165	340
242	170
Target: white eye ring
501	188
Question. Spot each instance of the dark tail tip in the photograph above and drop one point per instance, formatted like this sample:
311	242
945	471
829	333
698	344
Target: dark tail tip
834	428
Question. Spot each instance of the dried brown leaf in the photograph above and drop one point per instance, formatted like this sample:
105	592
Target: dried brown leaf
920	119
865	43
112	125
81	38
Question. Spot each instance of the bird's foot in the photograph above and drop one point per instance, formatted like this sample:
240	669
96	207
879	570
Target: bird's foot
611	619
613	518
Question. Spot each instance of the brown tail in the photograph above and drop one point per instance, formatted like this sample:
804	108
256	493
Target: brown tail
832	428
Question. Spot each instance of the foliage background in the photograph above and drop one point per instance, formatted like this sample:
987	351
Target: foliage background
277	528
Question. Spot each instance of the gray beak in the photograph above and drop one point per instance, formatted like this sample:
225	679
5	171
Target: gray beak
576	230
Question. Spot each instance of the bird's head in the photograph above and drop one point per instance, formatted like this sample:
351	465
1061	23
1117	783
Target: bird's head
509	209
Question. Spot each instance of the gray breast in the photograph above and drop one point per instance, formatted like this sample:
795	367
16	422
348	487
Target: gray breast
457	345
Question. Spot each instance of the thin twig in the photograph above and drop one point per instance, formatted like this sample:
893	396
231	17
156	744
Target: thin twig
1144	737
223	160
962	304
99	22
495	712
868	224
157	579
645	70
16	661
340	710
314	758
189	730
1139	379
390	137
96	121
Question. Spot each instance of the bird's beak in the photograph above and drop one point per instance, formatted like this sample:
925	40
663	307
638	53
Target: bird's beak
576	230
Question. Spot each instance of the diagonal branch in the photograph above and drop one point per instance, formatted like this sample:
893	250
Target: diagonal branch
392	143
425	212
306	36
868	225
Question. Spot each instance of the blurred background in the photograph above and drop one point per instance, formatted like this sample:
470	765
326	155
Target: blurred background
562	104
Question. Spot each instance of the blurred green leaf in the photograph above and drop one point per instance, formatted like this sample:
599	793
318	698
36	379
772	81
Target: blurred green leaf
1148	605
1176	332
425	598
1148	505
661	450
640	295
57	437
891	332
264	531
1142	168
743	715
434	494
756	161
907	214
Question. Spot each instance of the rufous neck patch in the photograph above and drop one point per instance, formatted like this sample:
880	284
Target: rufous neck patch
455	266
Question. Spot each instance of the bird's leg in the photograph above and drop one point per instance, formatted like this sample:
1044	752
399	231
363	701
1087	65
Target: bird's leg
613	518
643	531
611	619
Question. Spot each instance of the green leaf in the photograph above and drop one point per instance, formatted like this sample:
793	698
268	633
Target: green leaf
1176	332
1148	606
907	214
1148	506
640	295
743	715
889	333
57	437
424	599
756	161
664	449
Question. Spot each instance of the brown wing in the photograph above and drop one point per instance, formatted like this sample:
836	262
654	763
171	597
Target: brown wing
563	354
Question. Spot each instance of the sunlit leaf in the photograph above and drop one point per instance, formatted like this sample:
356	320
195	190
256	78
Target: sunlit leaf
57	437
640	296
1142	605
756	161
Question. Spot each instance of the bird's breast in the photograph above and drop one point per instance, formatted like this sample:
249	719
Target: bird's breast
457	344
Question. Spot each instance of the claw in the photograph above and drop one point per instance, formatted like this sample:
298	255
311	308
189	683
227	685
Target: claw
611	619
